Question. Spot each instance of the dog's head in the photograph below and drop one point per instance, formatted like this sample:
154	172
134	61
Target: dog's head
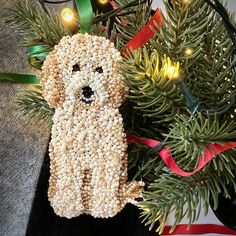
83	69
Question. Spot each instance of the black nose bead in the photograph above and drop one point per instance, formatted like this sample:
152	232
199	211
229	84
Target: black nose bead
87	92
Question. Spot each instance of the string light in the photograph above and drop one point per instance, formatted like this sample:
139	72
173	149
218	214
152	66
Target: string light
103	2
67	14
188	51
171	69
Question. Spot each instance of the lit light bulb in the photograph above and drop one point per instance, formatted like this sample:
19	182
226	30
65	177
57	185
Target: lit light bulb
172	72
170	69
103	2
67	14
186	1
188	51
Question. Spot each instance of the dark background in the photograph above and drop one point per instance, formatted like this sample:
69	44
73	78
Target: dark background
43	221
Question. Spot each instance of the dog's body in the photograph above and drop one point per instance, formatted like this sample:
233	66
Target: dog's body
95	181
88	146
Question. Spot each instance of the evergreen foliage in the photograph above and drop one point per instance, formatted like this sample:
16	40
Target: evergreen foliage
156	107
132	20
208	70
150	89
32	104
209	76
36	25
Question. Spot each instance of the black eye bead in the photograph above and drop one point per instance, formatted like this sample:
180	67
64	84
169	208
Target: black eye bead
99	69
76	67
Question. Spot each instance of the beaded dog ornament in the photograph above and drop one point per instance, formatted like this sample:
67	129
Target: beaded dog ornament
88	158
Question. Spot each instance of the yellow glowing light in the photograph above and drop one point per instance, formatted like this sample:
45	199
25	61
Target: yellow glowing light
171	69
186	1
188	51
67	14
103	2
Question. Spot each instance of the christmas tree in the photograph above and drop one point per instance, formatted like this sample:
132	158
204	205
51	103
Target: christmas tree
182	95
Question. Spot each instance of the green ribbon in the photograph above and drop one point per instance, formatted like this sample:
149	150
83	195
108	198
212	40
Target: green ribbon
85	10
37	55
19	78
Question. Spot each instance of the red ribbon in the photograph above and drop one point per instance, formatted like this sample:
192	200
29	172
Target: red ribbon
166	156
146	33
199	229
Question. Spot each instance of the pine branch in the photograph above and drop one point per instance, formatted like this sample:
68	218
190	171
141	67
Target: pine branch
183	196
32	104
150	89
181	29
189	137
107	32
208	70
120	10
167	192
36	26
216	80
127	25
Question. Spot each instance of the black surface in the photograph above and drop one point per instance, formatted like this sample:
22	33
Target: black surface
44	222
226	211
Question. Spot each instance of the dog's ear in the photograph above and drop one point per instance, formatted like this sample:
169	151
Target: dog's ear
118	91
51	81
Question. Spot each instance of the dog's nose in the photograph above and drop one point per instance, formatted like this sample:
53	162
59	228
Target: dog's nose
87	92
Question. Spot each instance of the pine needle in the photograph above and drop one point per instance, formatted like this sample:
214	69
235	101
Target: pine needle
36	25
32	104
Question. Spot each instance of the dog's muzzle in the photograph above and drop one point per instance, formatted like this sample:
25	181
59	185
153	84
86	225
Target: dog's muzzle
87	93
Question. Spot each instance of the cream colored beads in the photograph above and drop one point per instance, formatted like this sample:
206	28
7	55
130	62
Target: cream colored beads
88	146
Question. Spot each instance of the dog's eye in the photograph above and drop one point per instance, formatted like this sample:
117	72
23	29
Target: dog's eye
99	69
76	67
